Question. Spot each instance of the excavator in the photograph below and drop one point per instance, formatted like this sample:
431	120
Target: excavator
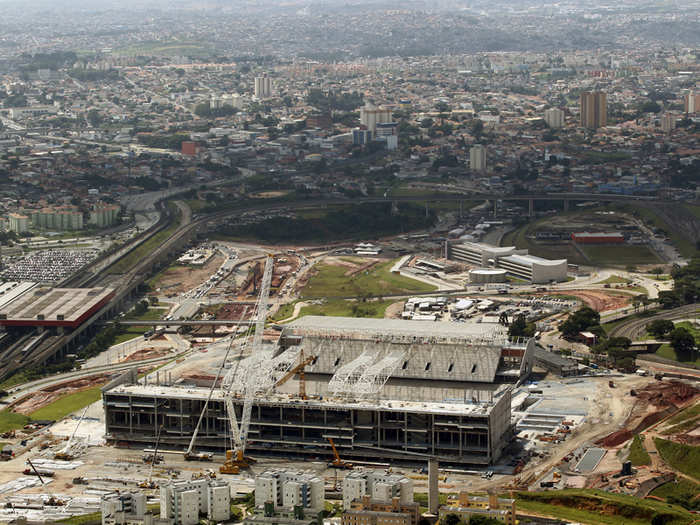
337	462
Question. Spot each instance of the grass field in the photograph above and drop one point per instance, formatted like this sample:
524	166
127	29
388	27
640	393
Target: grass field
638	454
695	210
615	279
330	281
667	351
11	421
175	48
620	255
341	308
68	404
684	458
682	428
146	247
685	414
598	507
676	489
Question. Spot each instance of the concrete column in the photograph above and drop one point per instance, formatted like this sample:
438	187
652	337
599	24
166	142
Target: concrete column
531	208
495	207
566	205
433	492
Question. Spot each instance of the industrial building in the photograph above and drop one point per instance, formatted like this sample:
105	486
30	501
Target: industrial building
515	262
32	305
381	389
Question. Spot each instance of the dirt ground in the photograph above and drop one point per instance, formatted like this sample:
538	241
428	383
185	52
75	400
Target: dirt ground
40	399
393	311
147	353
180	279
599	301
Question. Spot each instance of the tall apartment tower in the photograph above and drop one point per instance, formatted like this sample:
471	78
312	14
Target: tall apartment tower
263	87
554	117
691	103
371	115
594	109
477	158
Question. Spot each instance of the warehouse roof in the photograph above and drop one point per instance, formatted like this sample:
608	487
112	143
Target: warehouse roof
46	305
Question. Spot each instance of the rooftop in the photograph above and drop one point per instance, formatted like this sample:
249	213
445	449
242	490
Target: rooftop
448	407
530	260
52	305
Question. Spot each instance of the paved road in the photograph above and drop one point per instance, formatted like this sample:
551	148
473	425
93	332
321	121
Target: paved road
634	328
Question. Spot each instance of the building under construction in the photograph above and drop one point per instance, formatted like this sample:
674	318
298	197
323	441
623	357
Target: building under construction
382	390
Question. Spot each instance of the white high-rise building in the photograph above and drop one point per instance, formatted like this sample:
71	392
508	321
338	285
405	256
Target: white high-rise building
184	501
119	509
287	489
477	158
377	485
263	87
371	115
554	117
668	122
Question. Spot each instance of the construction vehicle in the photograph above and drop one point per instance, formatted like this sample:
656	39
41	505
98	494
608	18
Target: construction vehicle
299	369
337	462
71	449
149	484
38	472
611	384
235	458
53	501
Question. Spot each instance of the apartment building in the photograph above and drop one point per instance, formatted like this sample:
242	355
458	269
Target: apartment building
182	502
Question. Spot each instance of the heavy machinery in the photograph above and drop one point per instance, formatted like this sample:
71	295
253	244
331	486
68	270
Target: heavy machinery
149	484
337	462
190	455
72	448
53	501
298	369
235	458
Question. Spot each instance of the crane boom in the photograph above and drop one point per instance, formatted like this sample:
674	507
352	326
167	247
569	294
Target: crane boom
239	432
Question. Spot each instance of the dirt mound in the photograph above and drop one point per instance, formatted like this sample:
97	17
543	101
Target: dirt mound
615	439
599	301
36	400
147	353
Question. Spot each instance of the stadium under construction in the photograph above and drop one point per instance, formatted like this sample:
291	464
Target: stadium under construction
380	389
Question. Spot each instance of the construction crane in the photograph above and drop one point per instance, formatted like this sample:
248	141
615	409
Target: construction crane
53	500
67	453
235	458
337	462
190	455
148	484
300	370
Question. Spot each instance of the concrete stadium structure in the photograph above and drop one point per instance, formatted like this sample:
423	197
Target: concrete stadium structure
381	389
516	262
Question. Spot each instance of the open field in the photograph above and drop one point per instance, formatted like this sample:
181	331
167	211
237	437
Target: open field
598	507
332	281
667	351
68	404
10	420
681	488
684	458
620	255
175	48
638	454
341	308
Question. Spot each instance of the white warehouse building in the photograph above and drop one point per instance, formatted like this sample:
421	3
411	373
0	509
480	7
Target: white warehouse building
287	489
515	262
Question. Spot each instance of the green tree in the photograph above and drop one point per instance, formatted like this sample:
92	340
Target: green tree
450	519
682	342
660	327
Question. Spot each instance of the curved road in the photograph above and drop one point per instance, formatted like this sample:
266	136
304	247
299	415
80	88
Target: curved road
636	327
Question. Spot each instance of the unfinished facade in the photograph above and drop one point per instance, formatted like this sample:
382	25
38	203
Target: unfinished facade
381	390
